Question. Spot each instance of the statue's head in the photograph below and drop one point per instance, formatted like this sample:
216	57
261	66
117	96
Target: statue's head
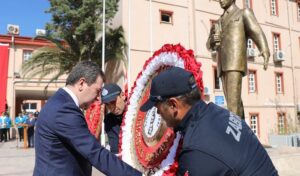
226	3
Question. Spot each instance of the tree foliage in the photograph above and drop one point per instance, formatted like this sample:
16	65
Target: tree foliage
75	32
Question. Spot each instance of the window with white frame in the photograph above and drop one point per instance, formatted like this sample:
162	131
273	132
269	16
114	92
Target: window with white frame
30	107
274	7
279	83
27	54
281	123
252	81
250	43
254	123
276	40
248	4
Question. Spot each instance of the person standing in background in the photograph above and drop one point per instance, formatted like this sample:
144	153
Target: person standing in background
31	124
5	124
19	120
2	127
36	114
24	115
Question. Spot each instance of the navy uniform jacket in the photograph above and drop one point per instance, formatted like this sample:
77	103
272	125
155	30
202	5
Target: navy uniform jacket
112	128
64	145
217	142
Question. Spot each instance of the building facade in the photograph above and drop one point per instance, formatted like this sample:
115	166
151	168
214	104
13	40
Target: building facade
271	97
23	93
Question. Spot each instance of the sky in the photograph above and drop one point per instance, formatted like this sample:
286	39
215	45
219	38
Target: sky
28	14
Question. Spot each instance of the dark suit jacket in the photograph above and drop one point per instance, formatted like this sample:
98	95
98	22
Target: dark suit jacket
236	27
31	124
64	146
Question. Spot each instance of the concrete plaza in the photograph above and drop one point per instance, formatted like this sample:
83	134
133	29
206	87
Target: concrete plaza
17	161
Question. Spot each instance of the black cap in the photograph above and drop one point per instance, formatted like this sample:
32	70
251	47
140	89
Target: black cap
110	92
171	82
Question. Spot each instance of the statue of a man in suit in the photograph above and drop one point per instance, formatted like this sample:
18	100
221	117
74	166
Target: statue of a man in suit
229	38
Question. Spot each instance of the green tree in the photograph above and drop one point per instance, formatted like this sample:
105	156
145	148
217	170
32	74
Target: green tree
75	32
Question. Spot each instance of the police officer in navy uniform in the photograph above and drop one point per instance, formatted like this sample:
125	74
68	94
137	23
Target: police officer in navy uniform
215	141
115	101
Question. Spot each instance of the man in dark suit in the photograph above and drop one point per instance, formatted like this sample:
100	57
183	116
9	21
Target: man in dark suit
64	145
30	132
229	38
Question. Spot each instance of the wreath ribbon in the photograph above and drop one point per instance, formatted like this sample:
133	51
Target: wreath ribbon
168	55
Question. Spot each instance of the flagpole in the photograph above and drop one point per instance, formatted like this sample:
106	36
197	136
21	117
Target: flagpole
151	29
103	67
103	37
129	48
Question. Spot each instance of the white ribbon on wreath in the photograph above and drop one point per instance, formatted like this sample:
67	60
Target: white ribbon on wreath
163	59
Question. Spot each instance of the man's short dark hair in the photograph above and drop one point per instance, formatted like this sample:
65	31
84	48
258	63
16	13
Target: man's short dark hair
86	69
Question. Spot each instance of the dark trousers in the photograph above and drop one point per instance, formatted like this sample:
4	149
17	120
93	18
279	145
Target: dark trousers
8	133
30	137
3	134
21	134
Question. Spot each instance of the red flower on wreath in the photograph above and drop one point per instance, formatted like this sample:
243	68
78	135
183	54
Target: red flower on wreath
92	116
168	55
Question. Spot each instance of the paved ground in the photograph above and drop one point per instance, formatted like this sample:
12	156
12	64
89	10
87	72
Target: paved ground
286	160
17	161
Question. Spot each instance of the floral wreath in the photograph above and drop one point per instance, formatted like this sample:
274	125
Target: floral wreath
92	116
159	158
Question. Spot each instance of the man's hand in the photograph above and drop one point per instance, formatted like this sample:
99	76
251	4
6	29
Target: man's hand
119	155
215	39
266	56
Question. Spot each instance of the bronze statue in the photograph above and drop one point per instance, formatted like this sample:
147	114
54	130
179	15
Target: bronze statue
228	36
